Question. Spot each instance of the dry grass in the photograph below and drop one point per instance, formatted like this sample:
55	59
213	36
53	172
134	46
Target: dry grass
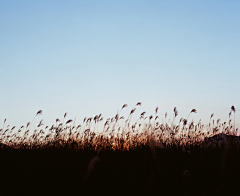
117	133
145	157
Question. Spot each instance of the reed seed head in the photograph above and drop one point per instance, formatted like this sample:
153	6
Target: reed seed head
39	112
175	111
68	121
139	103
133	110
184	121
233	109
194	110
124	106
28	124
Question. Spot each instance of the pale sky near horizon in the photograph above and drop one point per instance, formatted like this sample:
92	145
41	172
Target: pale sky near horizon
91	57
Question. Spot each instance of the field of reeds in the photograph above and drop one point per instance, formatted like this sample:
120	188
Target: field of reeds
121	157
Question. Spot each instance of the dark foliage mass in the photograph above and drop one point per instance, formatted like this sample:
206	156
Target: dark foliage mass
147	157
211	168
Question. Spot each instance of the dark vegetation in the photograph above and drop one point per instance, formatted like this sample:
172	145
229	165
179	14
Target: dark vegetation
161	159
141	171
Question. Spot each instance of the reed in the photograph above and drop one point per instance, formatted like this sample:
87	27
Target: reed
116	135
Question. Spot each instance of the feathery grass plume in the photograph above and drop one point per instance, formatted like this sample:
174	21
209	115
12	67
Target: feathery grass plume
234	110
116	117
69	121
124	106
89	120
95	118
142	115
64	116
40	123
175	111
107	122
156	110
28	124
132	111
149	124
211	115
57	120
39	112
191	125
139	103
193	110
210	119
4	123
184	121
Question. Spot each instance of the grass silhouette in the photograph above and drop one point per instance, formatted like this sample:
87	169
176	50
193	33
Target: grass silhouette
142	158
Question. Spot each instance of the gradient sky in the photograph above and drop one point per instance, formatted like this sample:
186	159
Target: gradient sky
91	57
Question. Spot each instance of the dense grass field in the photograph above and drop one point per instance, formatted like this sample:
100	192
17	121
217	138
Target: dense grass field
143	158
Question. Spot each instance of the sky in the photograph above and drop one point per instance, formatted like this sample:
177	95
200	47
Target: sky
91	57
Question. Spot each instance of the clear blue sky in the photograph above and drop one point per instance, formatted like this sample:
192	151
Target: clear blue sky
90	57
